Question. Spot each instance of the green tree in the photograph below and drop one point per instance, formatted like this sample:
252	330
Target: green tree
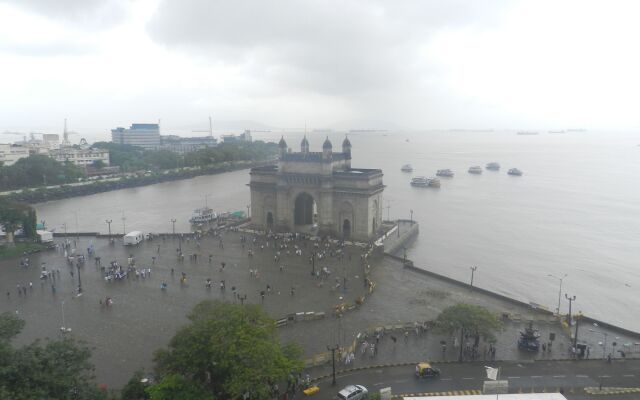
176	387
98	164
16	215
135	389
229	350
59	369
468	319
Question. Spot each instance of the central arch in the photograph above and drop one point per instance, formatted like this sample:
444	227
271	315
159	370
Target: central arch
346	229
304	209
269	219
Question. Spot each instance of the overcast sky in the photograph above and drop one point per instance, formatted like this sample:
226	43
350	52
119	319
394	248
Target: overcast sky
328	63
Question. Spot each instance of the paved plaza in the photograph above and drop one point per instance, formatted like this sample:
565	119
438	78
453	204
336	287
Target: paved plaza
143	317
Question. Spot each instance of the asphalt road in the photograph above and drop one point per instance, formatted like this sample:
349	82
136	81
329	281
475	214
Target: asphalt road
539	376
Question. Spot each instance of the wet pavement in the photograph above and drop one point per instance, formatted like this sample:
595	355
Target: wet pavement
144	317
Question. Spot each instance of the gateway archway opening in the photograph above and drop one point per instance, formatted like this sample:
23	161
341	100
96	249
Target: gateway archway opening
346	229
304	210
270	219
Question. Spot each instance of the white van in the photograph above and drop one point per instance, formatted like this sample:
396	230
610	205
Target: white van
133	238
45	236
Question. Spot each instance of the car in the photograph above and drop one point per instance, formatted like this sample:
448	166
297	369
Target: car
353	392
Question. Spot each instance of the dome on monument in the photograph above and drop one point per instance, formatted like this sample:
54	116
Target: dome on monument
327	144
282	143
346	142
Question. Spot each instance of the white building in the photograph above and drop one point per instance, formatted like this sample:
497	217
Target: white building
146	136
80	157
10	153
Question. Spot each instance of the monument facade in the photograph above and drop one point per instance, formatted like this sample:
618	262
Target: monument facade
317	192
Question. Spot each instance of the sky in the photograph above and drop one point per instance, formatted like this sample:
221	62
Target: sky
402	64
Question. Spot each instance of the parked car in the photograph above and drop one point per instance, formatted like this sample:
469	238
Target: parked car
353	392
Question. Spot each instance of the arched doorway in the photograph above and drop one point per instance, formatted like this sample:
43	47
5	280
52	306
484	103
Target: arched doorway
304	209
270	219
373	224
346	229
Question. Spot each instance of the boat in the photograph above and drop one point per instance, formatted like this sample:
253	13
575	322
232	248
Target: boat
420	181
445	172
406	168
515	171
475	170
493	166
527	133
434	182
202	215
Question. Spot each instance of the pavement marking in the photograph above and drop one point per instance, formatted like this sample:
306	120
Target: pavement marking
582	376
513	377
559	376
468	378
446	379
536	376
628	376
604	376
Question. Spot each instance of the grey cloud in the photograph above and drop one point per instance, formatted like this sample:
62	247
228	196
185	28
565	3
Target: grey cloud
331	47
88	14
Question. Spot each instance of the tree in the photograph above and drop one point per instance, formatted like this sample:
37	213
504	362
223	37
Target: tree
98	164
59	369
135	389
14	216
468	319
229	350
176	387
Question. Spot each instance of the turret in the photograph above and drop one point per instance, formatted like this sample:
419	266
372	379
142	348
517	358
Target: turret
282	146
346	147
326	149
304	145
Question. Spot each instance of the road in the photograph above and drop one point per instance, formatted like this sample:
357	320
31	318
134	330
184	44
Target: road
537	376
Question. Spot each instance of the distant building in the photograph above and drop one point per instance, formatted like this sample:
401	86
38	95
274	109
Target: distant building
10	153
243	137
184	145
81	157
146	136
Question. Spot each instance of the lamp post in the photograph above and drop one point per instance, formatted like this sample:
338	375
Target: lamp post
571	300
124	227
575	335
333	362
248	208
79	281
604	334
77	230
411	219
313	263
242	299
473	269
559	291
109	221
173	229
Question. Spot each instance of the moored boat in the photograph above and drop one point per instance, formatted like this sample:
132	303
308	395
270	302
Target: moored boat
445	172
493	166
202	215
476	169
434	182
420	181
515	171
406	168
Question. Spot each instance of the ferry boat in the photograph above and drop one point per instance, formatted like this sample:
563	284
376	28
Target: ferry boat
420	181
445	172
434	182
202	215
493	166
515	171
475	170
406	168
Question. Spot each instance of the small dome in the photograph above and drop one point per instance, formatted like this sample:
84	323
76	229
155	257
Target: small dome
282	143
304	142
327	144
346	142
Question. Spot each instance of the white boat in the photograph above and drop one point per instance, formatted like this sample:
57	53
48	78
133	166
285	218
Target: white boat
445	172
476	169
406	168
434	182
420	181
515	171
202	215
493	166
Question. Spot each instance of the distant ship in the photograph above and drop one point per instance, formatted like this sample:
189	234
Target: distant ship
202	215
445	172
422	181
527	133
493	166
475	170
406	168
515	171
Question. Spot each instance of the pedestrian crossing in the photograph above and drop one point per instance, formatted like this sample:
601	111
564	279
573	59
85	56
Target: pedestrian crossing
449	393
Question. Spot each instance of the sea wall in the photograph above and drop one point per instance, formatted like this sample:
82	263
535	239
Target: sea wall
400	236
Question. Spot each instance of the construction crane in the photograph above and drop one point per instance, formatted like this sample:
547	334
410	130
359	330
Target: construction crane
210	131
66	134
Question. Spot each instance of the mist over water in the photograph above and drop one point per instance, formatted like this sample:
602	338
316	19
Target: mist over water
576	210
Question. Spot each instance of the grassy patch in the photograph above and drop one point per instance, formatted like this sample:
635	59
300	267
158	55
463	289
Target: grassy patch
9	252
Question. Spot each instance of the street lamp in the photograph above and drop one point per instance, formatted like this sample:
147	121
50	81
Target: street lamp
242	299
313	263
604	345
473	269
333	362
173	222
559	291
411	211
571	300
79	281
248	208
109	221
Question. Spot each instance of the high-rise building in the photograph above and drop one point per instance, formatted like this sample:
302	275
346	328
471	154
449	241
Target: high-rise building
146	136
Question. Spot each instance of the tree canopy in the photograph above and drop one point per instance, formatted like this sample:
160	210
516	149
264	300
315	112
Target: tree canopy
228	350
470	319
16	215
37	170
58	369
